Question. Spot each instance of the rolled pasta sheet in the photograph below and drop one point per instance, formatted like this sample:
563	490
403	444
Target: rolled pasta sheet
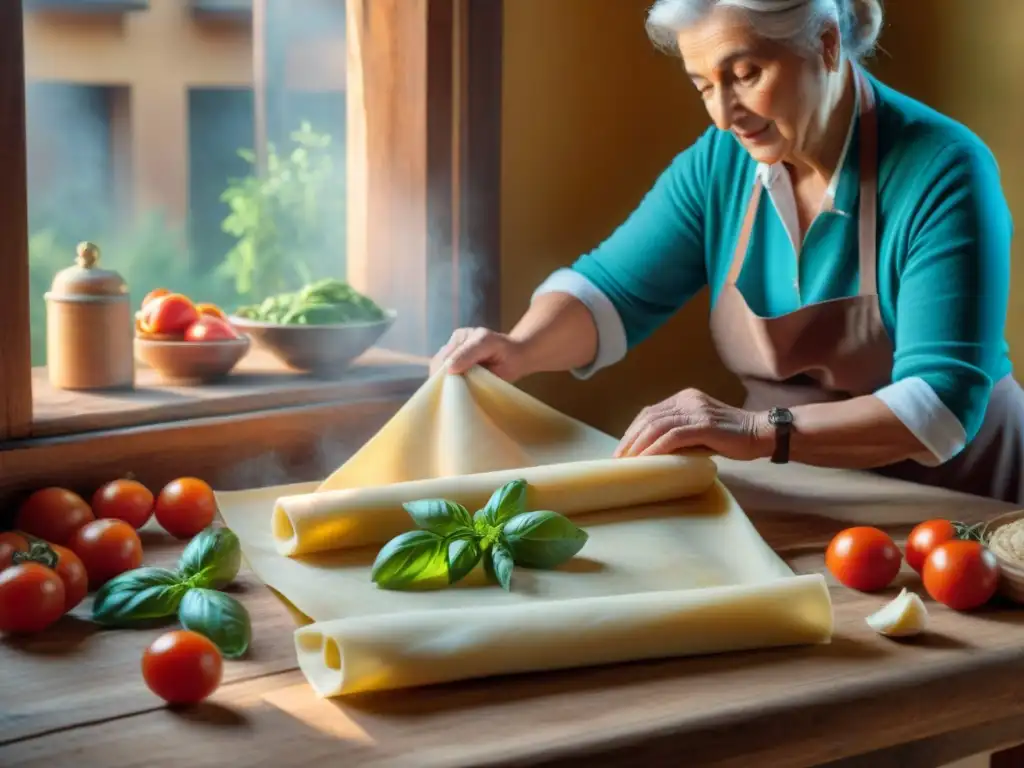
356	517
411	649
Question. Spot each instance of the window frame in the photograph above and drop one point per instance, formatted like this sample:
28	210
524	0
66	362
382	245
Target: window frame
427	154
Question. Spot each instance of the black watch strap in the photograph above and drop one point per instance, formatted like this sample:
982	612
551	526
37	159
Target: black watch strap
782	420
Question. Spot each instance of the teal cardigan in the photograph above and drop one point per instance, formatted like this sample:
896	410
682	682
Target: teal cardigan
943	248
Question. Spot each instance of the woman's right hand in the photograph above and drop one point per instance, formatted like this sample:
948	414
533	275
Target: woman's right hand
497	352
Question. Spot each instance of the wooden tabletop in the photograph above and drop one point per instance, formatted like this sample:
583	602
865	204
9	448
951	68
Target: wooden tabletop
74	695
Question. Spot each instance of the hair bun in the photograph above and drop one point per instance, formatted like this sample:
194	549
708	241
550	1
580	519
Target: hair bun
865	24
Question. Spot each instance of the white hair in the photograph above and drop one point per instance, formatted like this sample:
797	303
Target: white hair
798	23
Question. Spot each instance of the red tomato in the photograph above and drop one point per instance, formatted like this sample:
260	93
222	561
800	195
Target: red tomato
31	598
170	314
211	309
156	293
863	558
11	542
72	573
53	514
125	500
107	548
210	328
961	574
185	507
182	667
926	537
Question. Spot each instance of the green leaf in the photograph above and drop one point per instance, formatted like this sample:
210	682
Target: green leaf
440	516
137	596
409	559
504	504
463	555
543	539
219	617
211	559
498	564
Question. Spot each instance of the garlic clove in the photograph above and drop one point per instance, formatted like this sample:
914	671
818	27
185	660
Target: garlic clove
904	616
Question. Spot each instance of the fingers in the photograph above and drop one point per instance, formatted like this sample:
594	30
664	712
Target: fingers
649	431
466	348
640	423
679	438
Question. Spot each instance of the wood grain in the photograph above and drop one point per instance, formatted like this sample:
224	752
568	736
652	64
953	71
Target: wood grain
863	699
259	383
15	335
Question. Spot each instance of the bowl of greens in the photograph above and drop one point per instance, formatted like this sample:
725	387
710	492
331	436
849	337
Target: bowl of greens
320	328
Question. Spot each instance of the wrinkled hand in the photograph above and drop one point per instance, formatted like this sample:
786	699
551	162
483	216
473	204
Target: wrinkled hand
692	419
496	352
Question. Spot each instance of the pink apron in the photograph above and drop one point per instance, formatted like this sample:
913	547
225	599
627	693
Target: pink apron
839	349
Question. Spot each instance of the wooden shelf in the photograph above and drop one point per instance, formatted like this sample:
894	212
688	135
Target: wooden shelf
259	383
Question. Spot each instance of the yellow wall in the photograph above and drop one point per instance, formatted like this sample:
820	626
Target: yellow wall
158	54
593	114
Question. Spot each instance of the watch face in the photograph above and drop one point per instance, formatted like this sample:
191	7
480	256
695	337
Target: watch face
780	416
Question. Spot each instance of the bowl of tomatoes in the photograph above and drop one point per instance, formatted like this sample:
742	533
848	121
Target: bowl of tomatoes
184	341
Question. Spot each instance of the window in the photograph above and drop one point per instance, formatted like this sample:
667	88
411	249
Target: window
123	123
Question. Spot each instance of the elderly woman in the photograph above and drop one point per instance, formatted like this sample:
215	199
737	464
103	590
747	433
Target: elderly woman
856	244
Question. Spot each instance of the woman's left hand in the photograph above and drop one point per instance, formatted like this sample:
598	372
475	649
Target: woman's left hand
692	419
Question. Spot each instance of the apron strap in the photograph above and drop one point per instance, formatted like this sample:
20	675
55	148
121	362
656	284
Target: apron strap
742	241
867	221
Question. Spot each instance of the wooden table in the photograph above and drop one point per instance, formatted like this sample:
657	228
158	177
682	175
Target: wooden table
74	695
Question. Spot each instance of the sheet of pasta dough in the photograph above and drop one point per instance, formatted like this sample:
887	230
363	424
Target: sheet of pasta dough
672	566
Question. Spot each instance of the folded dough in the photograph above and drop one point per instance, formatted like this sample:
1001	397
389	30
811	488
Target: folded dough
672	566
356	517
402	650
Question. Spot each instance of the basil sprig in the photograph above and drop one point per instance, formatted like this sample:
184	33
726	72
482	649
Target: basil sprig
218	616
449	543
210	561
143	595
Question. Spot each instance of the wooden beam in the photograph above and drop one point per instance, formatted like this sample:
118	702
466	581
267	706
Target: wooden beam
15	331
424	154
270	68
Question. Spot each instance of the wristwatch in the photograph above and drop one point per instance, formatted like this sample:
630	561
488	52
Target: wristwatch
782	420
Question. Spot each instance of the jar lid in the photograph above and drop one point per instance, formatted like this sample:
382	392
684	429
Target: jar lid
87	278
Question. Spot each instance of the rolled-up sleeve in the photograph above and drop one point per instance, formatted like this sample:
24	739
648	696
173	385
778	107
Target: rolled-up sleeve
651	264
952	301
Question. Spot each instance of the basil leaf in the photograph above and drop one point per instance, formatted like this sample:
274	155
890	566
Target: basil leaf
137	596
410	558
463	555
439	516
212	558
219	617
498	564
543	539
504	504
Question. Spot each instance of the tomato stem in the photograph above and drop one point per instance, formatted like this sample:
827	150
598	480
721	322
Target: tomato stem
38	552
970	531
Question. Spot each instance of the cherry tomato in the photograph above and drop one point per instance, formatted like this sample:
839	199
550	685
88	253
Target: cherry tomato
961	574
182	667
185	507
926	537
126	500
170	314
863	558
211	309
107	548
53	514
31	598
71	571
156	293
209	328
11	542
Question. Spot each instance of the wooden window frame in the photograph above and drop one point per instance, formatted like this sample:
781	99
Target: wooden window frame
425	111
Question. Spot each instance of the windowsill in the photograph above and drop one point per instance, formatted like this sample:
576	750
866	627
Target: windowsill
259	383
